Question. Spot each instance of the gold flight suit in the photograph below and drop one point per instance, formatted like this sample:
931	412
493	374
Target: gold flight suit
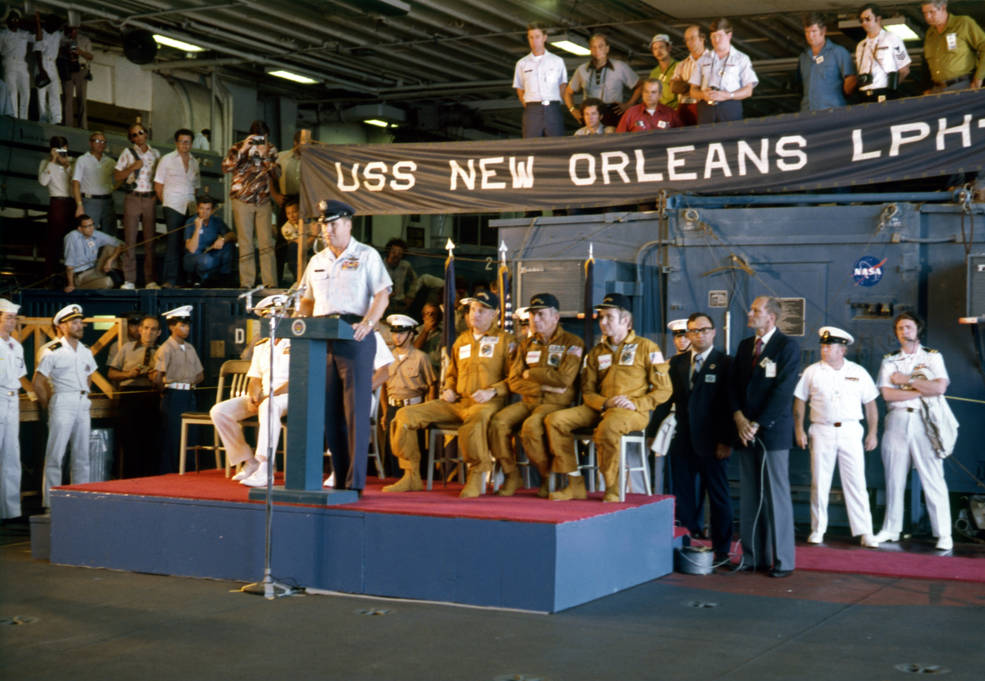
636	369
550	387
476	364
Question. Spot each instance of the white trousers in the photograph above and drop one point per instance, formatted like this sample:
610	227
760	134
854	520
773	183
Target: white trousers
905	445
10	457
19	85
228	416
50	96
68	425
841	445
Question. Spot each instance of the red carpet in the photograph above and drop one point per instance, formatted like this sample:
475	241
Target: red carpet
441	501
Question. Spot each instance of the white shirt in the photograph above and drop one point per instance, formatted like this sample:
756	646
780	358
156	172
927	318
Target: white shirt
729	74
145	174
384	355
94	177
684	70
260	364
48	47
68	369
835	394
13	46
923	358
179	184
56	177
541	77
347	284
11	364
880	56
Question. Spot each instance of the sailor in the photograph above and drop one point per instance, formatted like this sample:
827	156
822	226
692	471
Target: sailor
177	369
837	390
62	382
12	379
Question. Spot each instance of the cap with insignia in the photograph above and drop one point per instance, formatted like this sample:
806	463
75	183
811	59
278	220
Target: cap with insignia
267	305
67	314
332	210
8	307
542	301
614	300
179	313
678	326
832	334
485	298
400	323
522	315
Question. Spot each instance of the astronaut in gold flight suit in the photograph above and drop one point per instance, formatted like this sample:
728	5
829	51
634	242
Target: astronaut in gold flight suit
474	388
543	374
624	378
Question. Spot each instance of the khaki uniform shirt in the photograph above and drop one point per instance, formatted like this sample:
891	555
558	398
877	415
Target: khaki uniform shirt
636	369
958	51
131	355
480	364
178	362
553	365
410	375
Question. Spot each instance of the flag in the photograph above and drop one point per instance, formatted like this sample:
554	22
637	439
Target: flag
589	332
505	284
448	335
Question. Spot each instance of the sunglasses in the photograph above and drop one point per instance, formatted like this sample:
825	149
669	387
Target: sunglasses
138	133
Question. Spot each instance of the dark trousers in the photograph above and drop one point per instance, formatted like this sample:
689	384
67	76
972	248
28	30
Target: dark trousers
61	214
348	384
766	520
173	404
210	265
719	113
139	424
543	121
689	497
176	246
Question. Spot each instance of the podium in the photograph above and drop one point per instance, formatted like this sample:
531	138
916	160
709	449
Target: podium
306	413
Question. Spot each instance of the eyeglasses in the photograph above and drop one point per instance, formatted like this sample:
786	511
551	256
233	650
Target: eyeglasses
704	329
138	133
98	141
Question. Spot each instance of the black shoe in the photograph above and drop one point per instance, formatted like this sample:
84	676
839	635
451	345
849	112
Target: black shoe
778	573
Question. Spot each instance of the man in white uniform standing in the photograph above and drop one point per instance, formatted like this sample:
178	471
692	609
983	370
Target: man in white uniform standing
837	389
62	381
12	379
881	58
904	378
540	79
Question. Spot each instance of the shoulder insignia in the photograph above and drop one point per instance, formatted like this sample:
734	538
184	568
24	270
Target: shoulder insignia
930	350
53	345
262	341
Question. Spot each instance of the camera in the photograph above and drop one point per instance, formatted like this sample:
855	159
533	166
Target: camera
62	151
864	79
256	140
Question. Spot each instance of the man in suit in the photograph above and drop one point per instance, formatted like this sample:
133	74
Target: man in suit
761	386
703	441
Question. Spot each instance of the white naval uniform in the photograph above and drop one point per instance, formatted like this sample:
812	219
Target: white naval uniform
11	370
229	414
905	444
836	435
68	370
879	57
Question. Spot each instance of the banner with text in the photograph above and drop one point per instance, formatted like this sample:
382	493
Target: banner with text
899	140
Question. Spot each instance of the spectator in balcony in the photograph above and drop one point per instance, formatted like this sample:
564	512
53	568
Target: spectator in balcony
606	80
175	181
55	174
954	48
92	185
90	256
650	114
880	58
540	79
825	69
73	61
687	106
14	45
135	169
47	42
592	118
723	78
209	250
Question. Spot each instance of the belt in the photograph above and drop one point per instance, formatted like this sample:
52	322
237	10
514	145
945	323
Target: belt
9	393
71	392
911	409
95	196
178	386
405	403
954	81
143	195
351	318
835	424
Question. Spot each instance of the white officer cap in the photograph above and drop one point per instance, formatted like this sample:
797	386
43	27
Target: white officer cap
9	307
832	334
183	312
67	314
522	314
677	326
267	305
399	323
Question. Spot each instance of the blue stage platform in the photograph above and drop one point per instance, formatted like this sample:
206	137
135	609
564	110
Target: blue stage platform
522	552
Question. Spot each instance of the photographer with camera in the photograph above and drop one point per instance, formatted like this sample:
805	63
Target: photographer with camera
881	58
55	174
253	164
135	169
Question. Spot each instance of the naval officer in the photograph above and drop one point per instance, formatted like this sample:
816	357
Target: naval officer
347	280
12	379
62	381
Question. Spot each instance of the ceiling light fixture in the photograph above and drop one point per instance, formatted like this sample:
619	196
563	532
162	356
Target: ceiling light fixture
377	122
572	43
898	25
295	77
177	44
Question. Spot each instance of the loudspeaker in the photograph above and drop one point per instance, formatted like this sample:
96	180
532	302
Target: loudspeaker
139	46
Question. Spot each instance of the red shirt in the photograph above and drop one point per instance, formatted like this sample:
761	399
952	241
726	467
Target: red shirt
637	119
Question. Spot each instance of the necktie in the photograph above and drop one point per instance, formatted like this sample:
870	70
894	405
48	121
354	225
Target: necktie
758	349
695	369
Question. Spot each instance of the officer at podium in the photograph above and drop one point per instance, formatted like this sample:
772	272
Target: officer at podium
347	280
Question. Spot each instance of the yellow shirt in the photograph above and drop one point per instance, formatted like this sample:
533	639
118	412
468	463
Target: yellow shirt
553	365
479	364
635	368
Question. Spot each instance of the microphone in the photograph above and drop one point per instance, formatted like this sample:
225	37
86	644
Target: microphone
250	292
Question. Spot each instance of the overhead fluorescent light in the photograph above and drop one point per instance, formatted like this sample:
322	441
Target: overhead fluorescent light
901	27
290	75
177	44
377	122
576	45
381	115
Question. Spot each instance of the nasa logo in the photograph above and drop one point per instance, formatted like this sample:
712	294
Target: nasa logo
868	271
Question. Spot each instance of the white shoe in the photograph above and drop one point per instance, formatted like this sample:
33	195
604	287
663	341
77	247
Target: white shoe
815	538
869	542
153	285
127	286
329	481
258	478
945	544
886	535
248	469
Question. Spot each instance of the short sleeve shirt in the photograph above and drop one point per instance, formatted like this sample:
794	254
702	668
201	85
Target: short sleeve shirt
410	375
541	77
685	68
12	364
345	284
958	51
213	229
56	177
667	96
66	367
82	252
177	361
608	83
13	45
94	176
823	76
835	395
638	119
879	57
179	185
145	175
729	74
252	172
926	359
131	355
260	364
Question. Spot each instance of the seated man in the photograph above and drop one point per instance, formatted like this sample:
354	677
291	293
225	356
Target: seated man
624	378
228	414
543	374
209	250
473	390
90	256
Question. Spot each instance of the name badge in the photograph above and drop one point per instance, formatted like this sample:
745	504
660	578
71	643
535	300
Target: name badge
710	378
628	355
819	59
464	351
661	124
533	356
770	368
605	361
952	41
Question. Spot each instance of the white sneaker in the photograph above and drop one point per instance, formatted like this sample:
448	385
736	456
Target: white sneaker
258	478
329	481
127	286
869	542
815	538
886	535
153	285
945	544
249	467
